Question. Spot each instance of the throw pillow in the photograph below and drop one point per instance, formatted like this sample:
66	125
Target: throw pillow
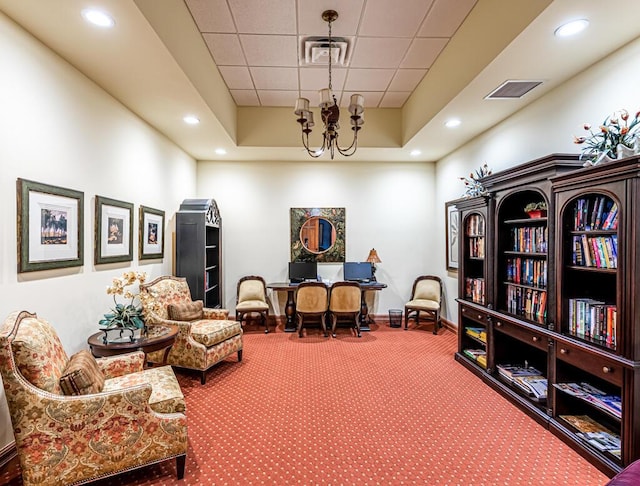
82	375
191	311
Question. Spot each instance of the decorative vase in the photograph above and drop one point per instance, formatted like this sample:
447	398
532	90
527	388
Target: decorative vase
623	151
537	213
603	158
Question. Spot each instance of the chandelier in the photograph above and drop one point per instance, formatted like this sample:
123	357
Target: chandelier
329	112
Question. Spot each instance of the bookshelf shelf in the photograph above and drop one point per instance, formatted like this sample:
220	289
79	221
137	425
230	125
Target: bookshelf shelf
584	258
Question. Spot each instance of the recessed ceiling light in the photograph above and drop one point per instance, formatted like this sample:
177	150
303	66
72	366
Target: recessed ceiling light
221	151
454	122
571	28
191	119
415	153
98	17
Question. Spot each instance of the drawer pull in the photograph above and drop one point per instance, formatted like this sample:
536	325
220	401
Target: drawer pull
535	339
479	316
498	323
564	351
607	369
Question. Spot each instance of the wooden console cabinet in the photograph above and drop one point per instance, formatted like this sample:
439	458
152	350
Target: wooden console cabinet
560	294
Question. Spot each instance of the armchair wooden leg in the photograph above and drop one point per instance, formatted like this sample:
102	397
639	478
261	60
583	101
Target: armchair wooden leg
406	318
203	377
334	321
323	319
265	319
358	325
239	355
180	463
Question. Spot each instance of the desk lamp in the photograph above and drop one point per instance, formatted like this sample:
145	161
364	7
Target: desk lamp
373	258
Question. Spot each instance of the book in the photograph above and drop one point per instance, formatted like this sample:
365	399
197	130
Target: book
510	371
590	394
535	386
594	433
582	423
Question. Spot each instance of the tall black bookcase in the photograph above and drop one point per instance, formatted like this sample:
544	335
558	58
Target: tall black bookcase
198	249
561	297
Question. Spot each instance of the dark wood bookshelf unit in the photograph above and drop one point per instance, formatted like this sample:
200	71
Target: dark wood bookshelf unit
198	249
561	303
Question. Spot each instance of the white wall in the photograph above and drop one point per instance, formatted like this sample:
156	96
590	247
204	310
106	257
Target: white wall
389	207
545	126
58	127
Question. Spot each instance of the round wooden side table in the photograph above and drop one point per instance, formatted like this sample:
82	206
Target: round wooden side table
157	337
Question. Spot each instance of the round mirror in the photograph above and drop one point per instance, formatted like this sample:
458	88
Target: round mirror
317	235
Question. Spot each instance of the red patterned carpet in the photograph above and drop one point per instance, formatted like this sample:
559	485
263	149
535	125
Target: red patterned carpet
392	407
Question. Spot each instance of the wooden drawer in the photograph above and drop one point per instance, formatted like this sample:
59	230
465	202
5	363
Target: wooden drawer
599	366
535	339
474	314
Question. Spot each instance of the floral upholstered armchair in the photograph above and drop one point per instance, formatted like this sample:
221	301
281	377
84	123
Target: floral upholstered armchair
205	335
78	419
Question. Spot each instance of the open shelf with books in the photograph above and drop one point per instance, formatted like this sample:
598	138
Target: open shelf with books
523	245
589	265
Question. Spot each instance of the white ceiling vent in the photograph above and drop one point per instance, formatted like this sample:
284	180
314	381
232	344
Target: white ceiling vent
316	51
512	89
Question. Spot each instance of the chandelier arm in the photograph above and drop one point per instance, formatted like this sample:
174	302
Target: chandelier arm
354	146
313	153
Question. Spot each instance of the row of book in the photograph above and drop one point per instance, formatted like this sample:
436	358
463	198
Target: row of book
526	378
476	247
528	302
595	251
479	333
595	434
593	320
530	239
527	271
611	404
477	355
595	213
475	225
474	289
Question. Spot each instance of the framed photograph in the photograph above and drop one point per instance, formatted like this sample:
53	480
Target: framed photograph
50	227
151	234
452	235
114	231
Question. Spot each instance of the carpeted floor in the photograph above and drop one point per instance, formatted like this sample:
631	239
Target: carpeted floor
392	408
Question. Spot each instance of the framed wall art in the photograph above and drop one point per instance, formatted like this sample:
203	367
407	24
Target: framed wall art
151	234
50	226
452	236
114	231
317	234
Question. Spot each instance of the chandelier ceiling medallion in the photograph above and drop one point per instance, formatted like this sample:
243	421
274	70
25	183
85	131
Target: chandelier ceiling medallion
329	111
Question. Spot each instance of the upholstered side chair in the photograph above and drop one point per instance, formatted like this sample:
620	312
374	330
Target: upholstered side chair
252	298
426	297
312	300
344	301
79	419
205	337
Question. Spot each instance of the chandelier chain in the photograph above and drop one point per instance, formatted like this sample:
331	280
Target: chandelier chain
330	56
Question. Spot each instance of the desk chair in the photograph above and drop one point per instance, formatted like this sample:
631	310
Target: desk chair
345	301
252	298
312	301
425	297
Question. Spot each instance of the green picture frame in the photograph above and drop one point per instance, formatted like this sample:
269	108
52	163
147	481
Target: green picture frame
113	240
151	234
50	226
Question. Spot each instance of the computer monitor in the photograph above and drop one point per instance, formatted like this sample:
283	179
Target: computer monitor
301	271
358	271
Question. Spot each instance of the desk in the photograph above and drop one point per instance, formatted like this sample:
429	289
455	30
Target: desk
290	307
158	337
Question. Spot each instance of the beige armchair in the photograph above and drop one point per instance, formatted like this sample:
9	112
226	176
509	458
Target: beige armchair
345	299
426	297
252	298
205	336
312	300
126	418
